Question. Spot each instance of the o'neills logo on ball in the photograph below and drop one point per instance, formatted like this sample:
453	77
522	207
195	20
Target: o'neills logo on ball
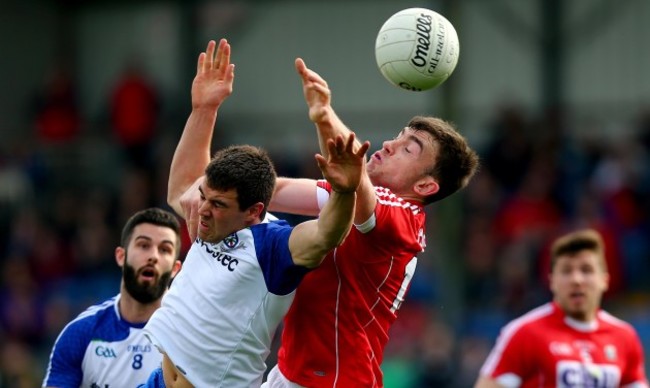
423	26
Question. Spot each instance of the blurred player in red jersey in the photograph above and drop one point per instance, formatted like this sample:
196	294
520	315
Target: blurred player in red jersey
569	342
337	327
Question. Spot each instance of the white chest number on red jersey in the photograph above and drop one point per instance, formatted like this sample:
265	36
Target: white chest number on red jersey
408	276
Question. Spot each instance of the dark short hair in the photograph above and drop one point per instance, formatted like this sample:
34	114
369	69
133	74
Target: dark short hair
154	216
456	162
245	168
579	240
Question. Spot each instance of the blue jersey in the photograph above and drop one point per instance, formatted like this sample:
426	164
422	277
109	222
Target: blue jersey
217	320
100	349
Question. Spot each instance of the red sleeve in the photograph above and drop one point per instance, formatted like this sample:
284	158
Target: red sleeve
510	354
635	366
324	185
397	224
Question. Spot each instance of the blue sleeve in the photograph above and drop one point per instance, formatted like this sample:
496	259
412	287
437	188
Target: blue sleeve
281	275
64	368
155	380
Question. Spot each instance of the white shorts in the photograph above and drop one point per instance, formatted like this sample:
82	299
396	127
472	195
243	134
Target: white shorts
276	379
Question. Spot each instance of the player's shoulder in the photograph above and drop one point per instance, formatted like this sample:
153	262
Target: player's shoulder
97	312
270	226
535	319
614	323
87	322
270	221
387	198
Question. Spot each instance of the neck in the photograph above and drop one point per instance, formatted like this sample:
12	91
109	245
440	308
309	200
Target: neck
133	311
410	197
581	325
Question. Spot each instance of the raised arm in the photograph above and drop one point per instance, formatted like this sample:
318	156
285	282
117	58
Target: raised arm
328	124
211	86
318	97
310	241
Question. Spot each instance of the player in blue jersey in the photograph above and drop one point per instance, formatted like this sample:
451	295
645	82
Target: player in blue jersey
104	346
216	324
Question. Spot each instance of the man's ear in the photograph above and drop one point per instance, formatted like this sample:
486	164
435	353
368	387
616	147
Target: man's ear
426	186
120	256
176	267
605	281
254	212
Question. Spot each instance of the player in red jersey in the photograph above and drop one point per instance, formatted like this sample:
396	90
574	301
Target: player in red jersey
569	342
336	330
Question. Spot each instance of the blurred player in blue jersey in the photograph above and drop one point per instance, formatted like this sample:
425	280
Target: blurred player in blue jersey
105	346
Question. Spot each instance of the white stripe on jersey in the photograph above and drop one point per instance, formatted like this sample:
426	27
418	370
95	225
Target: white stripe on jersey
508	331
388	198
609	318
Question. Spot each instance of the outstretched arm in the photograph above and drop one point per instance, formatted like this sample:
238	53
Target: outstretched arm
211	86
343	168
295	196
318	97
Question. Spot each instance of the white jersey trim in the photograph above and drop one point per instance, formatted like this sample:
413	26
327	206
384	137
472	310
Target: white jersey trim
508	332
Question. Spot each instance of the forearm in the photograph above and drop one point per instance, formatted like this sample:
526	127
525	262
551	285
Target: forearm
192	154
335	219
312	240
328	126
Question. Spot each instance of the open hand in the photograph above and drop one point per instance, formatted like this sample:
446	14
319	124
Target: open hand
343	167
214	76
316	91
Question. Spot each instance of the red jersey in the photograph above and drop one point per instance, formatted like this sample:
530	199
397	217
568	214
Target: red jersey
337	327
545	348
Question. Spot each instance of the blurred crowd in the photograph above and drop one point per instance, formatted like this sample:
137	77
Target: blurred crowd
65	192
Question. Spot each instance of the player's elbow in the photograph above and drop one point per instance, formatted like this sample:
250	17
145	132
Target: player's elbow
173	194
172	199
313	261
174	202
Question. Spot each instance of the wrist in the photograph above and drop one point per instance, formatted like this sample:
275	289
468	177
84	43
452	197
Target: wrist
351	191
205	108
323	116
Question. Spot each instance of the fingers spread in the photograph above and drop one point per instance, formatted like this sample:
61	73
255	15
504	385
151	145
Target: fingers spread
209	51
363	149
350	142
223	55
230	73
200	62
320	160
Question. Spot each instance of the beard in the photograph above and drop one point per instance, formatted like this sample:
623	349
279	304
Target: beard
147	292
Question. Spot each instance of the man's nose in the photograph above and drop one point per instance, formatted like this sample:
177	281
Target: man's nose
388	146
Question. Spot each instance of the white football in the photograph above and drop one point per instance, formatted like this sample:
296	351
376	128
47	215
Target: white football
417	49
